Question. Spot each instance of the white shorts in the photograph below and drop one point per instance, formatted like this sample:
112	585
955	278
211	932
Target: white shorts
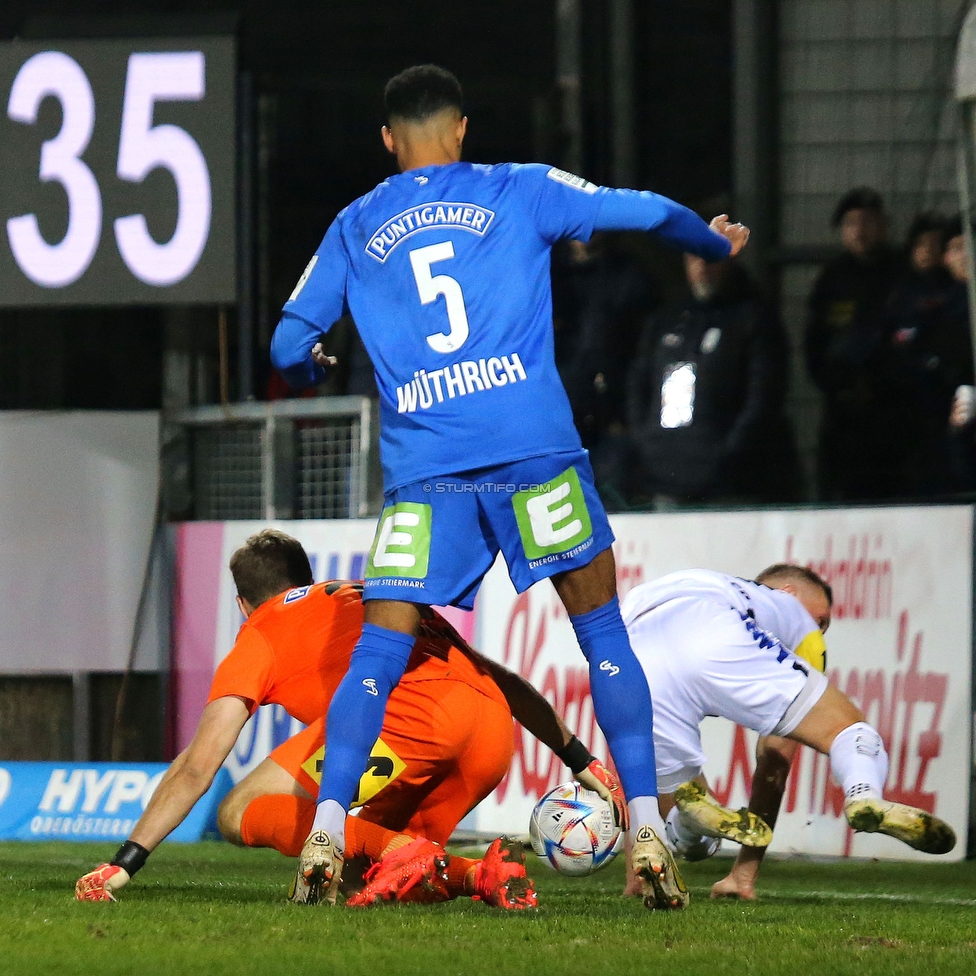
704	659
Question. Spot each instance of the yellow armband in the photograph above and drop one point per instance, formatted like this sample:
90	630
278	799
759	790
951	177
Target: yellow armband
813	650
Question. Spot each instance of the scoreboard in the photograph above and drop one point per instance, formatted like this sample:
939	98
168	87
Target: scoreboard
117	172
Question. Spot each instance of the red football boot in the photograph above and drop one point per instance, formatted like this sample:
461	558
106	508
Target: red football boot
416	872
500	878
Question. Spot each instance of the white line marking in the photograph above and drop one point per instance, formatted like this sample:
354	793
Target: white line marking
872	896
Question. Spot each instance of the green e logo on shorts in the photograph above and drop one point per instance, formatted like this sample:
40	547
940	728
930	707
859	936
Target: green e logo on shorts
555	520
402	543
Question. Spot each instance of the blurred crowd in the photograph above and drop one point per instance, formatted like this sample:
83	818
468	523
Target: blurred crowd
888	344
681	400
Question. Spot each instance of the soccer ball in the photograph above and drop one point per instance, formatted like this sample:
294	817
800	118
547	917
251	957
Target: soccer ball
572	830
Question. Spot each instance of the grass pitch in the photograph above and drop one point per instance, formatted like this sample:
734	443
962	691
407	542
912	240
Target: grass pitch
213	909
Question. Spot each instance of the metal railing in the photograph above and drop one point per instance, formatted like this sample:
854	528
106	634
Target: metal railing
311	458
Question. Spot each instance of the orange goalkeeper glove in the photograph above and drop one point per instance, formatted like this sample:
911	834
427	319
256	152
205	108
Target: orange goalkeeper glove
102	883
591	773
598	778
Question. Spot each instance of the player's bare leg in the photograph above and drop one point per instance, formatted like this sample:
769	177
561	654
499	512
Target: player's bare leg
836	727
622	703
832	713
589	587
392	615
314	879
268	779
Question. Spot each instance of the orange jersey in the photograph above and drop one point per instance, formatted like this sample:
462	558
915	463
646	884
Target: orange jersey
295	649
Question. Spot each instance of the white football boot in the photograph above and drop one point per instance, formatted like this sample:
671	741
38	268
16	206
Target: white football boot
319	871
653	864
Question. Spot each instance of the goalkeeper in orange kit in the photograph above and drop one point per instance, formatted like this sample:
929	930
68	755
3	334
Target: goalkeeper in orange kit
446	742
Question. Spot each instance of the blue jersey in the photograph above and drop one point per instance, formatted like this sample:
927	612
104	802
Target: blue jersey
445	271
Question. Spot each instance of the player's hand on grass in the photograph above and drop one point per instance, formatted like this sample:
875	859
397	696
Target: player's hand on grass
320	358
735	234
735	885
101	884
598	778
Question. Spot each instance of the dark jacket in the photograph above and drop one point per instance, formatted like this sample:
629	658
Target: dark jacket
705	399
597	311
842	343
926	353
843	329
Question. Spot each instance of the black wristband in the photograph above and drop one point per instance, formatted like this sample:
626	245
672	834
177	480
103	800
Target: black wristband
130	857
575	755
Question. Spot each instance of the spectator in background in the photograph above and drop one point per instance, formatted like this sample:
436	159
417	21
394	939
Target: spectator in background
706	395
842	341
601	294
962	415
924	357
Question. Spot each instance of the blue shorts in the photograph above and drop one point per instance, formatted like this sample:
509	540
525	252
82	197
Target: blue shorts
436	539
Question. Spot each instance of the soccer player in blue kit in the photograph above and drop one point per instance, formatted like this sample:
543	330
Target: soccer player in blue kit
445	270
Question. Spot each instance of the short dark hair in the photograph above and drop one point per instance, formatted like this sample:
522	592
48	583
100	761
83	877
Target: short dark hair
797	574
269	563
860	198
924	223
419	92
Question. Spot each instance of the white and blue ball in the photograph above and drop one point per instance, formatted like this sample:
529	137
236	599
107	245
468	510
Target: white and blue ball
573	830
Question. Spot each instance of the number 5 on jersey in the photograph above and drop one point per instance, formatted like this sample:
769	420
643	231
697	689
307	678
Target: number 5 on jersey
430	287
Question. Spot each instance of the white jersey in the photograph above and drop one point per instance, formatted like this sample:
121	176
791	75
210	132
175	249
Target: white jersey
775	611
711	644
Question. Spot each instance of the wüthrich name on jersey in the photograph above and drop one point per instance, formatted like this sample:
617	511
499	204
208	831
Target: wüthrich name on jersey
459	379
462	216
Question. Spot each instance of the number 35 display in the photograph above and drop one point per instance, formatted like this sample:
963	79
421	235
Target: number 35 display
118	172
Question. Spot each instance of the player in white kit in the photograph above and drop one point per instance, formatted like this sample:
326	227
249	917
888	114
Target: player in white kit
753	652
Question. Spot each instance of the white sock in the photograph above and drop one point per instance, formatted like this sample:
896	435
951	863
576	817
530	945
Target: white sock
687	843
683	836
331	818
644	811
859	762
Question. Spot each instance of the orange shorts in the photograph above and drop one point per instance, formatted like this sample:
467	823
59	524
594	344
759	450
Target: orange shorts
443	748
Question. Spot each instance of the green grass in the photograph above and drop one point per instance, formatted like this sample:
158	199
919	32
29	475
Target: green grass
213	909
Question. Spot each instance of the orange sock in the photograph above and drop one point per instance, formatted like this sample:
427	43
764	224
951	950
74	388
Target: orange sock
283	821
458	882
278	820
371	840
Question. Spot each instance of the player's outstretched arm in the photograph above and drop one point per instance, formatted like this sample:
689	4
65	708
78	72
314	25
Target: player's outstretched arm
673	223
187	779
774	756
535	713
567	206
528	707
192	772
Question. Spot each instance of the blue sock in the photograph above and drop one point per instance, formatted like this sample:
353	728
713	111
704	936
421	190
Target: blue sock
356	713
621	698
